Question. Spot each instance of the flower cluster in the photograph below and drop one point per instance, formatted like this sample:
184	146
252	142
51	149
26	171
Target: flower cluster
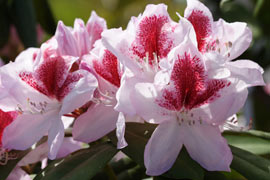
178	75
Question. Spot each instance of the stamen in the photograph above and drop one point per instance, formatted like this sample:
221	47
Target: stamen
155	63
105	99
5	156
230	44
232	124
106	95
35	108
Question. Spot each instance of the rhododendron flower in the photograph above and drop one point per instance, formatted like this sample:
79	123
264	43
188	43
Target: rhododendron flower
147	40
190	89
222	42
100	118
189	107
77	41
228	39
42	88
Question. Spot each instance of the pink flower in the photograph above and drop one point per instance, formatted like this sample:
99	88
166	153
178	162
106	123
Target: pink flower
183	108
100	118
78	41
142	46
228	39
41	87
147	40
189	108
220	42
191	94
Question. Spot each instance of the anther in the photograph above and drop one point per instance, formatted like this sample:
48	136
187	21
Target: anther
230	44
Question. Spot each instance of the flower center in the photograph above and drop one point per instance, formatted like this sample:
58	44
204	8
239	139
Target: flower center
107	98
146	67
187	118
220	47
37	107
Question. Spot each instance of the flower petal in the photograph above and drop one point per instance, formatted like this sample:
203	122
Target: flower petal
237	34
247	71
230	101
41	152
123	95
95	123
68	146
29	129
201	19
205	145
81	92
55	137
18	174
67	44
95	25
120	131
144	101
82	37
162	148
36	155
117	41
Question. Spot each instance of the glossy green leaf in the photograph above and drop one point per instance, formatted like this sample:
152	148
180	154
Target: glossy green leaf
256	142
83	164
6	169
137	136
23	17
132	174
250	165
122	165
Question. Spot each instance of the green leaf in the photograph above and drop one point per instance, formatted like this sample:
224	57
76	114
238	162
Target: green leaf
45	16
6	169
83	164
23	16
256	142
122	165
132	174
250	165
137	135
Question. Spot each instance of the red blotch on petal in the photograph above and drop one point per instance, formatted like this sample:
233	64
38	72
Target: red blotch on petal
189	86
108	68
202	26
5	119
151	38
52	78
